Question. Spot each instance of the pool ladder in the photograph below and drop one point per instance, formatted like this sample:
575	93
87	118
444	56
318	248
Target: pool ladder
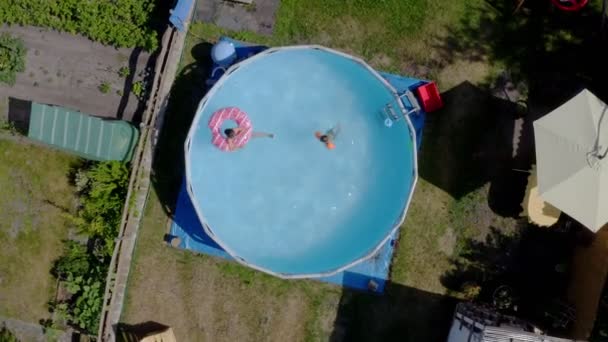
390	114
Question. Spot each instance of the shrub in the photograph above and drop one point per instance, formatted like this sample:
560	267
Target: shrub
74	261
139	89
12	58
122	23
101	211
104	87
7	335
83	309
102	188
124	72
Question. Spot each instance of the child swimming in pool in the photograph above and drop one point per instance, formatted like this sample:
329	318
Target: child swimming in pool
329	137
232	133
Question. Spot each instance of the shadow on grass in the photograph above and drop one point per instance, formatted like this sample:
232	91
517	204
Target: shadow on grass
556	52
531	267
402	313
187	91
475	139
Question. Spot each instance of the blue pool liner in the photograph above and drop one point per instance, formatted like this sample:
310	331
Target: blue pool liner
188	228
374	270
400	83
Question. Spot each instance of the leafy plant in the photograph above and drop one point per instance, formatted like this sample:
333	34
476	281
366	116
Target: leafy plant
102	188
84	308
101	212
74	261
7	335
104	87
139	89
12	58
124	23
124	72
87	308
8	126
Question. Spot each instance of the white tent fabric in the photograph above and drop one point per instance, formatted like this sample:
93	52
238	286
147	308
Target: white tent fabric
571	143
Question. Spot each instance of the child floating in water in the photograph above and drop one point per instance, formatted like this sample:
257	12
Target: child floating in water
232	133
329	137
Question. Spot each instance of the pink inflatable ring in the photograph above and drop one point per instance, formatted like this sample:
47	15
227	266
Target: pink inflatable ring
242	121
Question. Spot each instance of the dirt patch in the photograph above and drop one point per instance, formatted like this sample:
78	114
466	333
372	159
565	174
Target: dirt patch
287	327
447	241
381	61
67	70
462	70
258	17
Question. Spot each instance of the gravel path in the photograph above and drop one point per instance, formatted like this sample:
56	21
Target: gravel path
67	70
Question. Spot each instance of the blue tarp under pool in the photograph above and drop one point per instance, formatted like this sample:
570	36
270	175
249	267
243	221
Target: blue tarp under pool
188	228
179	13
370	274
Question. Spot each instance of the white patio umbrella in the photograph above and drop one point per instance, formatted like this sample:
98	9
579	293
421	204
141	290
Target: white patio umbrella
571	143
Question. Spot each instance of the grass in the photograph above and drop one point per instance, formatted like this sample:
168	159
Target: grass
222	300
203	298
35	192
393	35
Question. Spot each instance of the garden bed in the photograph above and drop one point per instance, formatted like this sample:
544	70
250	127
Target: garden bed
122	24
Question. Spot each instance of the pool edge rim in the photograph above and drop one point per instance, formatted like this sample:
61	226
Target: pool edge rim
191	132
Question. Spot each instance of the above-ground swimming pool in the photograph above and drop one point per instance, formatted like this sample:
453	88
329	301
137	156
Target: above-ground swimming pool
288	205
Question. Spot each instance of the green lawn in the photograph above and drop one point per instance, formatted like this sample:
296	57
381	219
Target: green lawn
34	192
203	298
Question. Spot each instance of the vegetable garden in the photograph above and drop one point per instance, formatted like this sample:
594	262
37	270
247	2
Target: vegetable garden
121	23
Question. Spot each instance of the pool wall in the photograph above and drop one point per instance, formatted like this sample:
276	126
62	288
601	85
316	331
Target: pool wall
403	107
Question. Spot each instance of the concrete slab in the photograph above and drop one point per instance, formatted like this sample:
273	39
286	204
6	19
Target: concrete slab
259	16
67	70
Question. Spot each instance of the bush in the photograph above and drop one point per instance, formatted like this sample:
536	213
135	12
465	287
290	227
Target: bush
139	89
122	23
74	261
84	309
101	212
104	87
102	188
7	335
12	58
124	72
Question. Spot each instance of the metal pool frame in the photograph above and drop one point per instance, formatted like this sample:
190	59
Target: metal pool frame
194	128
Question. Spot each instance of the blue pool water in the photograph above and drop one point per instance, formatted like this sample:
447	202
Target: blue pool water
289	205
